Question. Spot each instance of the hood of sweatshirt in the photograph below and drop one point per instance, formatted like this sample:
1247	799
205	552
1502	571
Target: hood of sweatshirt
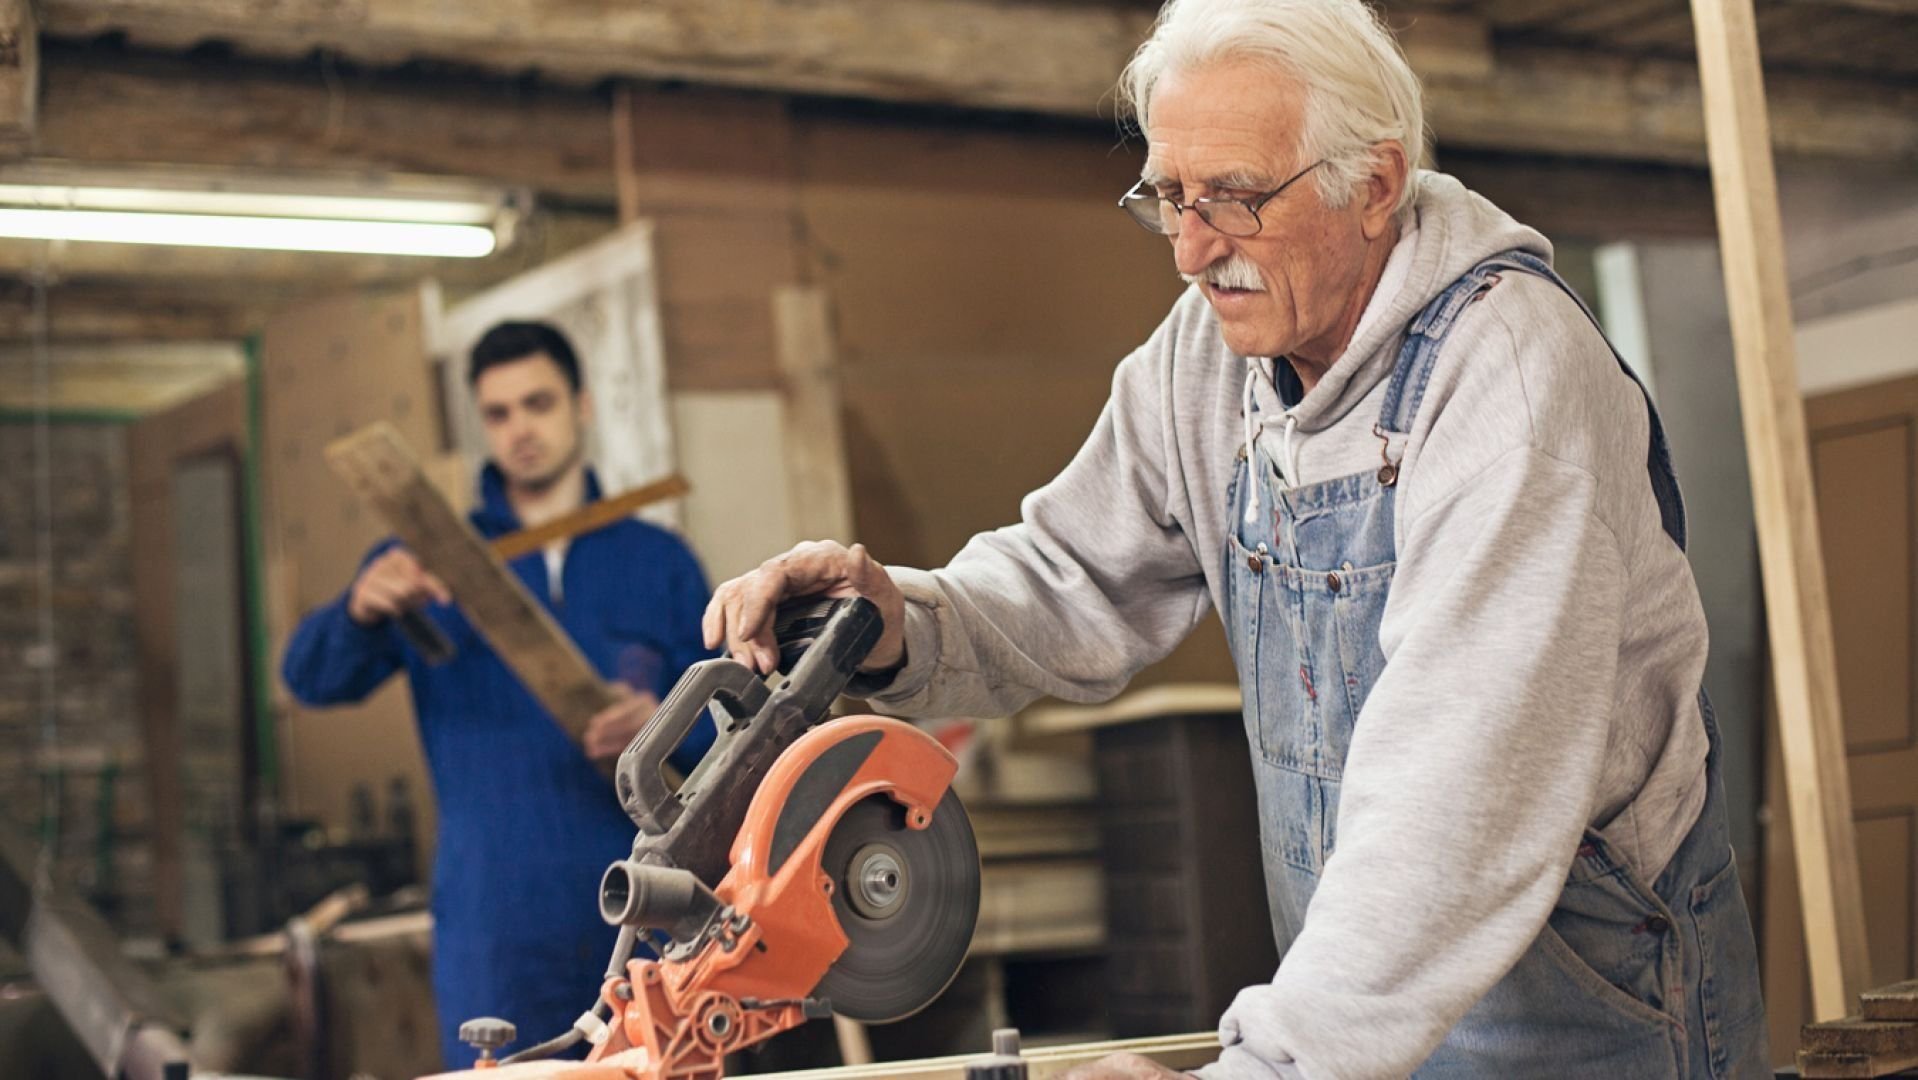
1457	230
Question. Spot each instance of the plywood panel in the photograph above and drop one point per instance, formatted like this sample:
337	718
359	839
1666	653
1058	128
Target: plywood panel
1868	542
1866	462
327	369
713	171
1885	864
979	320
730	442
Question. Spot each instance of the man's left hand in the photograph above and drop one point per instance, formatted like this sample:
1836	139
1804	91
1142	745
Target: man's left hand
1121	1067
608	732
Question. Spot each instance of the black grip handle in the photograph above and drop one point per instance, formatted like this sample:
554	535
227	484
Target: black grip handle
822	642
426	637
731	686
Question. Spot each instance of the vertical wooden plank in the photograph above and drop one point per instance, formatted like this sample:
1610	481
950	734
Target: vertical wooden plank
1798	615
19	75
212	422
819	486
714	172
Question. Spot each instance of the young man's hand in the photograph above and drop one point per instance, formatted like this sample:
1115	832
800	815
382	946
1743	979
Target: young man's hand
612	728
392	585
740	616
1120	1067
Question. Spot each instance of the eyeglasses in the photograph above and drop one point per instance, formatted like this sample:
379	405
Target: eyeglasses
1233	217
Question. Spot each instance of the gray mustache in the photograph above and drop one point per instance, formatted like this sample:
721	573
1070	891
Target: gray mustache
1233	272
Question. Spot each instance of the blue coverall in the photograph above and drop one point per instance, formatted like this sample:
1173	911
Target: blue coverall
526	823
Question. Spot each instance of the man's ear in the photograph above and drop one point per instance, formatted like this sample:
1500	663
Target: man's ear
1382	188
583	407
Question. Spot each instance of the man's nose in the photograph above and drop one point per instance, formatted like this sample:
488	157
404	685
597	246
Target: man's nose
1198	244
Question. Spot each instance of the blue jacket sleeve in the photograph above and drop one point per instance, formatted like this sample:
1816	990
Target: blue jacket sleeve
332	660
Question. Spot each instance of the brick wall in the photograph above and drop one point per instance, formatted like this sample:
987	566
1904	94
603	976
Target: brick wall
94	778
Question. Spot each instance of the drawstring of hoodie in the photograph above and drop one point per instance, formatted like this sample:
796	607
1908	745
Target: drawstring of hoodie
1288	448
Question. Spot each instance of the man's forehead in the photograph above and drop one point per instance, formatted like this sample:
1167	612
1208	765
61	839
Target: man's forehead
516	379
1233	120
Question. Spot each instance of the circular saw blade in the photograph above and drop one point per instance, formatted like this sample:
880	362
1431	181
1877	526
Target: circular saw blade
908	901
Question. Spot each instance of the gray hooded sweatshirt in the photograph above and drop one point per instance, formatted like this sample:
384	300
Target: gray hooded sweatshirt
1543	638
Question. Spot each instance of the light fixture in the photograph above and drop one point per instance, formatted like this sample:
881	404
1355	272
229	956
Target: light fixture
387	215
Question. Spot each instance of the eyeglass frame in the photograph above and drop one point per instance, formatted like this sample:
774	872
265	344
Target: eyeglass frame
1252	205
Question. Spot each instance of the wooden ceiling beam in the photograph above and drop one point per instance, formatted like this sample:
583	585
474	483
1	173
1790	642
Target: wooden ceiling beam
1878	7
1057	58
1580	103
133	311
105	106
1042	55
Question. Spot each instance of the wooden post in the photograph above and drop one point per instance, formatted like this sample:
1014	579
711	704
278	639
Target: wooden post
19	76
1798	614
818	482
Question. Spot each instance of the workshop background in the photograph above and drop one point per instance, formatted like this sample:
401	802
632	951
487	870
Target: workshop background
857	265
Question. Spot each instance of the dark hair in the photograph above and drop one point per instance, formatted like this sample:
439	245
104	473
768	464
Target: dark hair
513	341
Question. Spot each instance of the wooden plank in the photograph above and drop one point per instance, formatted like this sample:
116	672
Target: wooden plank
1051	55
210	423
1168	699
1180	1052
19	75
1649	108
80	311
1838	1063
1898	1001
715	172
129	378
594	515
376	462
1798	612
737	515
1854	1047
819	484
104	105
1059	57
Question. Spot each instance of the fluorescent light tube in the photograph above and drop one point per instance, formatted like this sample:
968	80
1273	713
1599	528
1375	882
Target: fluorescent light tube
259	233
440	211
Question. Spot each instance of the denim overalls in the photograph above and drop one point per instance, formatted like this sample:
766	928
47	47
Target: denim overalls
1628	979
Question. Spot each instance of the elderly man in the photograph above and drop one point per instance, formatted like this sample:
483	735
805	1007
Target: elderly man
1438	518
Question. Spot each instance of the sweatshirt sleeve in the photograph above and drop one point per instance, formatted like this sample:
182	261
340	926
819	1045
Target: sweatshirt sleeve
1096	580
1475	761
332	660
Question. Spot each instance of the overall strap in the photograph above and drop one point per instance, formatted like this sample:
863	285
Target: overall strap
1418	355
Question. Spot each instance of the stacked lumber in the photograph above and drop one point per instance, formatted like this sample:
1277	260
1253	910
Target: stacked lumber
1880	1042
1042	888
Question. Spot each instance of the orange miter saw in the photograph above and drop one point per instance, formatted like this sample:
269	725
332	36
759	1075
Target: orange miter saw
803	869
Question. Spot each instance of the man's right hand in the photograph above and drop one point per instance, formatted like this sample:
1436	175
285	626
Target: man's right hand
741	613
392	584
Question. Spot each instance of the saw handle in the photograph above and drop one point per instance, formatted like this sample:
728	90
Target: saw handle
822	642
737	692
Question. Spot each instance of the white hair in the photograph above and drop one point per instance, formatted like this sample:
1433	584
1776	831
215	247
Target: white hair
1359	89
